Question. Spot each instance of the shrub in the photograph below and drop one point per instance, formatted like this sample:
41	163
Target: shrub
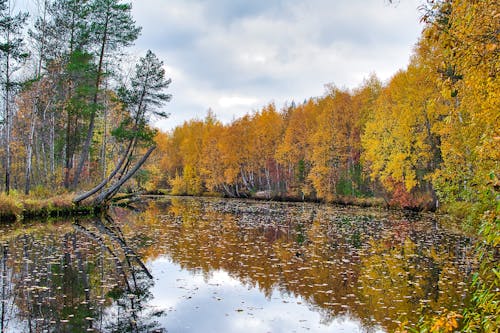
10	205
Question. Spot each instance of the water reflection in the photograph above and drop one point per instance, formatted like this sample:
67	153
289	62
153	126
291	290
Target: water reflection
73	277
378	268
231	266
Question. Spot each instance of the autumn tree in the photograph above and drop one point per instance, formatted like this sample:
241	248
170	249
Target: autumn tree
13	53
461	44
294	150
399	142
364	101
211	168
331	157
266	133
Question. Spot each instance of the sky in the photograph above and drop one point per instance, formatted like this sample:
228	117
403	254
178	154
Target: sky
236	56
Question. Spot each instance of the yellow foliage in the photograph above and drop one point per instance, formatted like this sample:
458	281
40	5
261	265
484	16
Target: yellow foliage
399	143
178	185
445	323
10	205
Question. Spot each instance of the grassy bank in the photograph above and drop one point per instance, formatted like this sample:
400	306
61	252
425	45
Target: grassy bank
16	207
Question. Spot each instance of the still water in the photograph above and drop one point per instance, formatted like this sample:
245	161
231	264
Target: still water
213	265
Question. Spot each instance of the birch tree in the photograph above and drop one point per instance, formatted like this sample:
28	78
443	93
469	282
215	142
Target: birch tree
12	51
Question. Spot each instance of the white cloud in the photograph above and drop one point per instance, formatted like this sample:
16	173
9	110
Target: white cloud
235	56
222	303
232	101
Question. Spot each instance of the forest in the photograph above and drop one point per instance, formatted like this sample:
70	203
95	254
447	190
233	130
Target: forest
428	137
72	117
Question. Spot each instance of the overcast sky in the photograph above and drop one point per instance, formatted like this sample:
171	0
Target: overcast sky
235	56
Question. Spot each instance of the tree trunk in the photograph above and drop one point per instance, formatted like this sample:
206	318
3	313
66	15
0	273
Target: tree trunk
7	124
29	152
104	140
103	197
90	132
105	181
69	152
228	190
52	148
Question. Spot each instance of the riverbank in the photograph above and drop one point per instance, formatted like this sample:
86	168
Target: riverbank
15	208
376	202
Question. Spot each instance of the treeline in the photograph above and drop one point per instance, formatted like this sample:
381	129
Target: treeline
308	150
430	135
71	114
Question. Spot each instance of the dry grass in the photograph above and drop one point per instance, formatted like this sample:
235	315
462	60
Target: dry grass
62	200
15	206
10	206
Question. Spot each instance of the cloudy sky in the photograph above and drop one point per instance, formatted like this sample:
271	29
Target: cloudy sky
235	56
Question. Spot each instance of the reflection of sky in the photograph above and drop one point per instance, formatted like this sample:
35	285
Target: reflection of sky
220	303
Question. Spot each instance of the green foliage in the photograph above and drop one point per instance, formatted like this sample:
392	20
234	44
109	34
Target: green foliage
111	22
142	100
126	131
142	177
64	30
301	171
484	312
81	73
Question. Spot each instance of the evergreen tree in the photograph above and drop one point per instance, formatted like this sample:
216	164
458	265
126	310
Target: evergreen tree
66	31
142	100
112	28
146	93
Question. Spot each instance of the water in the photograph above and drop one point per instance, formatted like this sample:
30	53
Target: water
212	265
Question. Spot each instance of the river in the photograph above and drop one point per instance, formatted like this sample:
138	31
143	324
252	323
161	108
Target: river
215	265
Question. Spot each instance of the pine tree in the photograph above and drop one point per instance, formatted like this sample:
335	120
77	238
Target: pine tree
142	100
112	28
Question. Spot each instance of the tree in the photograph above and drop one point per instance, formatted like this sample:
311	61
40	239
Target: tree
331	156
211	168
13	53
461	45
142	100
266	131
60	39
399	142
63	28
112	27
295	149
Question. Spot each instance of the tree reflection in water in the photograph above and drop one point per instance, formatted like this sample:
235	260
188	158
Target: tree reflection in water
368	269
73	277
381	268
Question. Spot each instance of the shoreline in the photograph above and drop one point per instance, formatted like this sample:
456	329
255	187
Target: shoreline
14	209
